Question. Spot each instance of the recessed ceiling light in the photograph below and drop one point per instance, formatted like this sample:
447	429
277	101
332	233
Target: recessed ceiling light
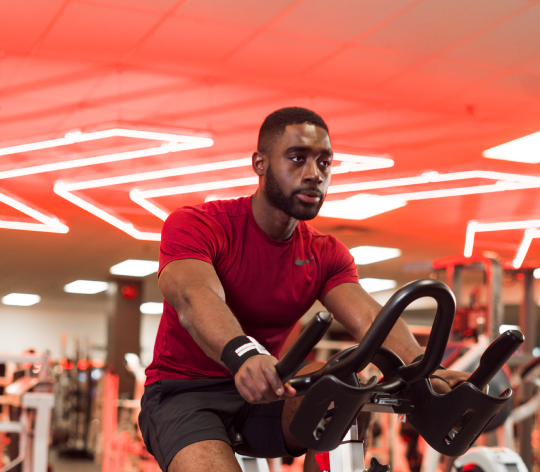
360	207
364	255
152	308
86	286
525	149
371	285
21	299
135	268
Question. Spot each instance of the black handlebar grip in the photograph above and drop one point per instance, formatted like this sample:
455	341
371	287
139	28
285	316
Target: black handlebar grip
312	334
495	356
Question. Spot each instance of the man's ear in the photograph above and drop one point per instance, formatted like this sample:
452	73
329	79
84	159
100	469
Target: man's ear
259	162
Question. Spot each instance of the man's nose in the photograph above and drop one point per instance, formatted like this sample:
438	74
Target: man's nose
312	171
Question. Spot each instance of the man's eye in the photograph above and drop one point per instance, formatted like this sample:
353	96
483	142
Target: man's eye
297	158
325	163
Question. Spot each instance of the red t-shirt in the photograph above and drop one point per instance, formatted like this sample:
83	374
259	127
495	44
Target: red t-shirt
268	284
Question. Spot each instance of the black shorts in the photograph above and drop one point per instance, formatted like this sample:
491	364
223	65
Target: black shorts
177	413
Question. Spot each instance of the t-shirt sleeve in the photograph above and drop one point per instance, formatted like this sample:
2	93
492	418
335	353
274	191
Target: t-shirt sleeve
340	266
189	234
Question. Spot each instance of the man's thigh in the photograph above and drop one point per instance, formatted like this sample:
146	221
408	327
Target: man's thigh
177	414
264	429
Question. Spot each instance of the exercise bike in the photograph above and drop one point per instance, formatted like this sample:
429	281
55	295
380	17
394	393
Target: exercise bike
450	423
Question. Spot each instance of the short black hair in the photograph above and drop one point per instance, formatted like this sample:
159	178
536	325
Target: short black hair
274	124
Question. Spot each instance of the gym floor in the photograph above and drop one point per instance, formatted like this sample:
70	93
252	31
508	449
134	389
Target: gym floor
58	463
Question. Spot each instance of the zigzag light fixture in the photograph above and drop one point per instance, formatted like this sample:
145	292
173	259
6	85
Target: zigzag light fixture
349	163
531	232
476	227
170	143
503	182
48	224
528	236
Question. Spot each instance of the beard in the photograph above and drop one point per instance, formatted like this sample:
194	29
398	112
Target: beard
288	204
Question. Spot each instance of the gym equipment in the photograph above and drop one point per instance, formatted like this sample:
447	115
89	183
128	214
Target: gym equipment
450	423
530	373
481	323
120	446
505	459
474	322
27	395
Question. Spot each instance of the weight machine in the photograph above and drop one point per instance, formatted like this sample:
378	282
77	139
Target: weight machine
31	398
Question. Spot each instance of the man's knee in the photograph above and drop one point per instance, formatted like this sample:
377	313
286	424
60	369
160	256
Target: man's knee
203	456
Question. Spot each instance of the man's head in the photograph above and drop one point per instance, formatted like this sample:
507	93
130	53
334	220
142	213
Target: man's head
293	160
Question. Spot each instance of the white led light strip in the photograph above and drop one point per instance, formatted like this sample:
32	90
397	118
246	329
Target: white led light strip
504	181
528	236
531	232
349	163
80	137
48	224
171	143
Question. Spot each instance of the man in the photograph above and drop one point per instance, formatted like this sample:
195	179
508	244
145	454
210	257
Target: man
250	267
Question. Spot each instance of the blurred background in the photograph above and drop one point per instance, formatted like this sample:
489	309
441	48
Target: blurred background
115	112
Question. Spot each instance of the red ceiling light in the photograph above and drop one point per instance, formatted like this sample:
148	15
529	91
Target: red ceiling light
129	292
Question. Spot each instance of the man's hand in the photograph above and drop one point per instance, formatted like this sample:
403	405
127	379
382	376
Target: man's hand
258	382
451	379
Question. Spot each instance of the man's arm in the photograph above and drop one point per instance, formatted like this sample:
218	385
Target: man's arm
193	289
355	309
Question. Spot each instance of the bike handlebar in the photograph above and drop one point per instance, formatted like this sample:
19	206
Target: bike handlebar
377	334
312	334
336	385
495	356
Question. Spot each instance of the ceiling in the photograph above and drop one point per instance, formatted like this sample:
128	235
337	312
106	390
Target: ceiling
430	83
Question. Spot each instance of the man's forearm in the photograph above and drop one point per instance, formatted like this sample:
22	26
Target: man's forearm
403	343
208	320
356	310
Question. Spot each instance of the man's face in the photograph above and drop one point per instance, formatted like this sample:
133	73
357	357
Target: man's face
298	172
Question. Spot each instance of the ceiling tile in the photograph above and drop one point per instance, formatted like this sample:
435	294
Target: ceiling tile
184	39
10	63
361	67
118	84
96	33
436	24
160	6
240	12
65	92
514	41
40	73
274	55
22	23
340	20
437	80
507	93
533	67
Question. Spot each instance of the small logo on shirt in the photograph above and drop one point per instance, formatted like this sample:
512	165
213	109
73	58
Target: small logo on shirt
299	262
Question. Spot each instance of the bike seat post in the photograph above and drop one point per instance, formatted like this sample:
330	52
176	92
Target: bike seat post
349	455
353	432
